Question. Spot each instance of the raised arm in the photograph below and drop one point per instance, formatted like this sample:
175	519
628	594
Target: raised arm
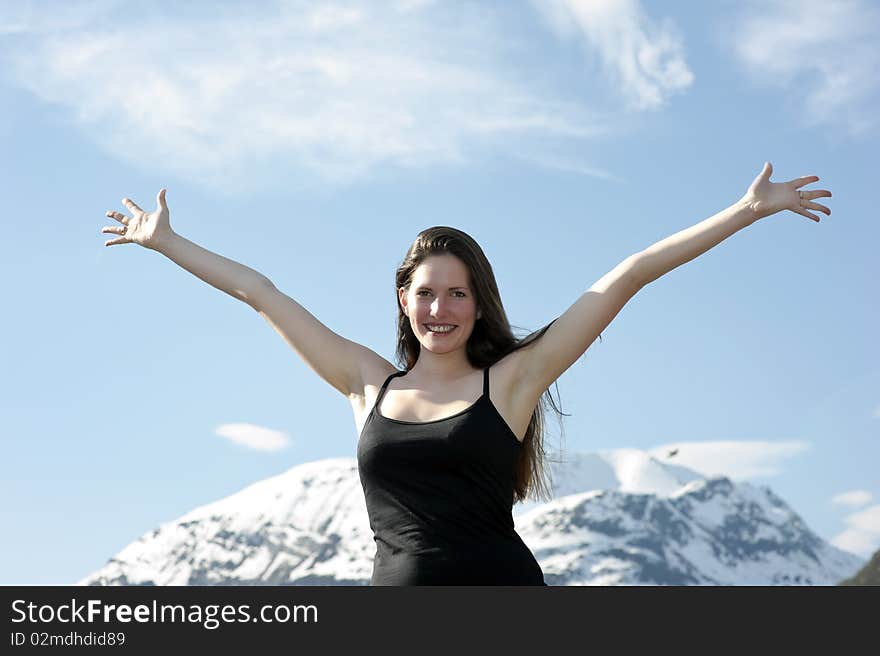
569	336
762	199
153	230
576	329
344	364
338	361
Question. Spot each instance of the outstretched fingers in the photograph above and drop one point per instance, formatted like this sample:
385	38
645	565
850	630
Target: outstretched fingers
117	229
802	211
118	240
819	207
806	202
130	205
119	216
800	182
810	194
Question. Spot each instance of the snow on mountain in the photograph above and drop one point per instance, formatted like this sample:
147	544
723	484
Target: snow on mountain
307	526
710	532
622	470
618	517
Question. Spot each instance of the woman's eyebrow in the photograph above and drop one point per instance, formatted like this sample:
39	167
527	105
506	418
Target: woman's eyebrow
429	287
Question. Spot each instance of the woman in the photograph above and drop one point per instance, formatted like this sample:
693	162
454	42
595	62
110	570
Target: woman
450	443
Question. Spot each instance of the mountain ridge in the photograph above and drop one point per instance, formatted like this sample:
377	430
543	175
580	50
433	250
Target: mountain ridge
618	517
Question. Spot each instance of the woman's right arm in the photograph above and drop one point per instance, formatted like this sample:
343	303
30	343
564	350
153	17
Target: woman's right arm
228	276
342	363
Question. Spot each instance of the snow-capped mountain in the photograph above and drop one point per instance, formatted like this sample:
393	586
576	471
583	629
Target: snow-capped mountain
307	526
617	518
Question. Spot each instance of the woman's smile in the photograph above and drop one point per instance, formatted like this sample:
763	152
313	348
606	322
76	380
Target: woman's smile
440	329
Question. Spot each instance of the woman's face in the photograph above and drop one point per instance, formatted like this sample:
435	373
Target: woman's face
440	296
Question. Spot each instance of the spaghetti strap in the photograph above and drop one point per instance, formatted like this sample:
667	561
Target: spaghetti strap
385	387
486	382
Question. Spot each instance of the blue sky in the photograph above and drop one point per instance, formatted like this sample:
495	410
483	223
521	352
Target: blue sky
313	141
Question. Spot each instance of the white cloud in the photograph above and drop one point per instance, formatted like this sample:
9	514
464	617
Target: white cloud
736	460
646	59
822	56
862	535
853	499
293	94
253	437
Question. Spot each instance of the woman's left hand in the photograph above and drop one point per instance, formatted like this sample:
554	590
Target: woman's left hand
766	198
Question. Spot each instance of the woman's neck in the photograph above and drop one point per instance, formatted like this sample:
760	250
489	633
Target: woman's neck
444	367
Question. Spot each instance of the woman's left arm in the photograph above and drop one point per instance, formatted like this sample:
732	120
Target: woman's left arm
569	336
762	199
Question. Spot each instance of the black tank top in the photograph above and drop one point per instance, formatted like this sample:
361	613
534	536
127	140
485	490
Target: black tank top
439	496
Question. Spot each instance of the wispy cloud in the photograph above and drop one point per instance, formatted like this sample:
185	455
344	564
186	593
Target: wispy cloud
821	56
644	58
862	535
294	93
852	499
558	163
253	437
736	460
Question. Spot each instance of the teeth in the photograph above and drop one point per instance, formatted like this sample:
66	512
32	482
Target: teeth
440	329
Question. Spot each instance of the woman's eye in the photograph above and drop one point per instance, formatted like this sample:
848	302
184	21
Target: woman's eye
425	291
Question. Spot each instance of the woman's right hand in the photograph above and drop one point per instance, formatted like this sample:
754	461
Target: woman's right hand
149	229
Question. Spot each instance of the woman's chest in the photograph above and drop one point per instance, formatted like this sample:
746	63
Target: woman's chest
428	406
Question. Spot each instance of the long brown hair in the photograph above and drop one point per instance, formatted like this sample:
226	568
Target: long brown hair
491	340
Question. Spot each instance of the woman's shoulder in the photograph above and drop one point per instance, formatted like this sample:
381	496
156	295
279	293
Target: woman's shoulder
375	374
507	370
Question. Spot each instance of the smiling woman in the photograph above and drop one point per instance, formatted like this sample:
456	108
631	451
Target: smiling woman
446	280
449	444
444	454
